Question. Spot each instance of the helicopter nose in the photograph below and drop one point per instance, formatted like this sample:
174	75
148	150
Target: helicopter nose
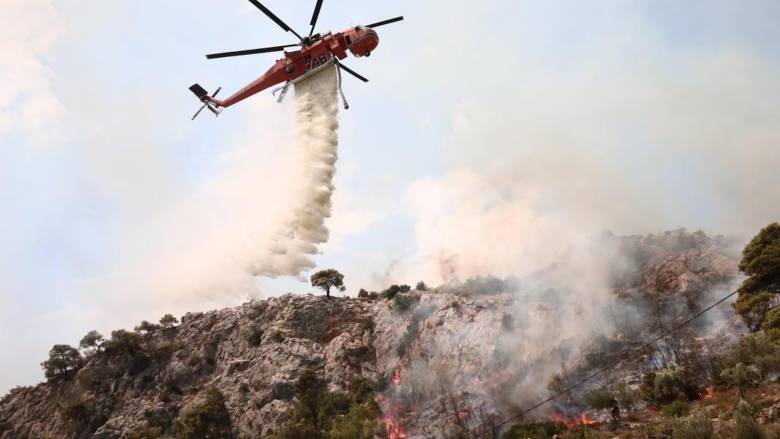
372	39
364	40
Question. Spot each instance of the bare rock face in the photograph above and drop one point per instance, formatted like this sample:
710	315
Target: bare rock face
676	263
252	354
455	359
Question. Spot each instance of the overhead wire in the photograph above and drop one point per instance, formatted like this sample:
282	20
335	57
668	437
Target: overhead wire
615	363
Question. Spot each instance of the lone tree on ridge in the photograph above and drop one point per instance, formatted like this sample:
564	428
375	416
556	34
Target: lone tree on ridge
327	279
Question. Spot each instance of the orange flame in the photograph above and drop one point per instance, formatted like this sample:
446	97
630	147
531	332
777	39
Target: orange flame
391	407
394	430
707	393
573	422
395	378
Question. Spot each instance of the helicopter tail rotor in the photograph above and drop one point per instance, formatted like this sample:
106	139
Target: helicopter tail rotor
204	97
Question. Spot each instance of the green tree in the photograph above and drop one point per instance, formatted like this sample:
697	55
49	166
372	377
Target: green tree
321	414
754	308
92	340
327	279
147	329
168	321
124	341
761	264
761	260
62	359
421	286
742	377
772	319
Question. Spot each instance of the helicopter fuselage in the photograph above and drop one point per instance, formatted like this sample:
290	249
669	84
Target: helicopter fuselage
359	41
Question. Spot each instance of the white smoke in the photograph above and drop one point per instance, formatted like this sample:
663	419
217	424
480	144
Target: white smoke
262	214
290	250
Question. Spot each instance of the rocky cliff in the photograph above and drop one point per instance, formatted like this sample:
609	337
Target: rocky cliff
453	359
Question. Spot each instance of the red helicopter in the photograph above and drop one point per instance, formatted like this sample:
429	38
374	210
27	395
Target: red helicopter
317	52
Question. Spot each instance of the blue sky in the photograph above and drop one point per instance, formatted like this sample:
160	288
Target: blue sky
492	134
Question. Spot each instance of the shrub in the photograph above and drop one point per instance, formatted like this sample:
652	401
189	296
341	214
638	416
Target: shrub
507	322
582	432
209	419
533	430
742	376
394	290
402	302
485	286
676	409
62	359
695	426
745	427
369	295
626	396
409	336
358	423
669	384
277	336
163	351
143	430
421	286
761	349
253	335
77	413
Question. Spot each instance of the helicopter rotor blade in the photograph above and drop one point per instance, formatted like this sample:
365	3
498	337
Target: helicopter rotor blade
315	16
352	72
249	51
273	17
384	22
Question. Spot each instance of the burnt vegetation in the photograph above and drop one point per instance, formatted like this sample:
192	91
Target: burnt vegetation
679	376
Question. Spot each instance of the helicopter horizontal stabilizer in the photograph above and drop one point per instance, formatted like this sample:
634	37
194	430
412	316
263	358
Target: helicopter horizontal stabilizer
199	91
202	94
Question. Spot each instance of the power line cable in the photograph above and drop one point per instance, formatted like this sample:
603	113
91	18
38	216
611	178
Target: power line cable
616	363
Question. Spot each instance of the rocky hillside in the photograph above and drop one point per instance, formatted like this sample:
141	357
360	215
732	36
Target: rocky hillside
440	363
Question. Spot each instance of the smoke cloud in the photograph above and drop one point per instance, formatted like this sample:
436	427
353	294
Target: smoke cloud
27	105
263	214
